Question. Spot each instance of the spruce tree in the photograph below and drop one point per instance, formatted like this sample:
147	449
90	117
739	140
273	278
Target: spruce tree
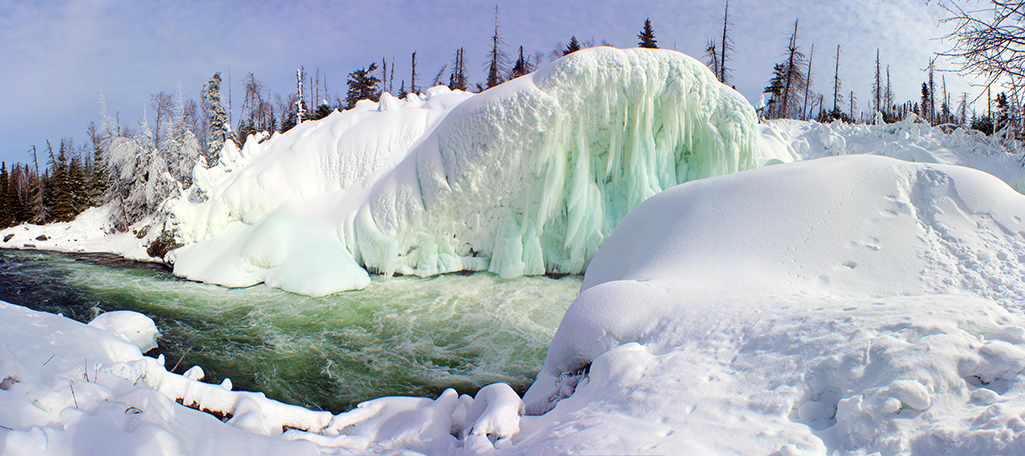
98	174
362	85
6	215
572	47
647	36
521	67
62	206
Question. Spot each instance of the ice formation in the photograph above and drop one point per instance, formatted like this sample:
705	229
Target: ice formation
527	178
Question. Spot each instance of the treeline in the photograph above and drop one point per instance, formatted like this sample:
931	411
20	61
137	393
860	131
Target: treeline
70	183
788	94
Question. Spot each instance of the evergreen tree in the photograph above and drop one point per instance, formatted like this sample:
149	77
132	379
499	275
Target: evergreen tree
217	121
62	201
521	67
788	82
457	79
38	194
925	102
6	206
362	85
647	36
98	176
77	184
497	58
572	47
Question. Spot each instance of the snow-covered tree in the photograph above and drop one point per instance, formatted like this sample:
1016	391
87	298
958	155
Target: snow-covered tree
217	120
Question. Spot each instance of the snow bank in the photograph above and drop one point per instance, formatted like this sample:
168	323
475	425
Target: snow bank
850	304
909	140
68	388
527	178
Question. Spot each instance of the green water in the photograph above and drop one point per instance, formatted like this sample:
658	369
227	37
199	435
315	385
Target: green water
399	336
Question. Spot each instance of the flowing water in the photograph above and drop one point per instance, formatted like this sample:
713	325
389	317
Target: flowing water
399	336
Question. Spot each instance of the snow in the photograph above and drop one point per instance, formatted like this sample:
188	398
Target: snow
523	179
861	295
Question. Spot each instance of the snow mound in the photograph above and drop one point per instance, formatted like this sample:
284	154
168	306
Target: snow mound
526	178
134	327
849	304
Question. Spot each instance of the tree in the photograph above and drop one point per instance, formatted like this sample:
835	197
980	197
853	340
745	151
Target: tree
837	97
988	42
412	80
716	53
647	36
6	206
926	96
854	107
877	87
498	60
521	67
98	177
788	82
572	47
61	197
807	82
457	79
38	193
362	85
162	105
217	120
712	57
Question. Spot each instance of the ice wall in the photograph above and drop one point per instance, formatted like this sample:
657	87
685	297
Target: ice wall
532	176
526	178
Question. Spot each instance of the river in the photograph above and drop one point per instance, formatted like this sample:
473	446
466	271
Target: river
399	336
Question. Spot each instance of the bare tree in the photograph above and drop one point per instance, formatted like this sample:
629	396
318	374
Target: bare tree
412	80
163	106
807	82
498	60
793	78
726	44
837	96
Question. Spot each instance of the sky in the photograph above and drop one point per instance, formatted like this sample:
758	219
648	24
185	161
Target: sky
59	56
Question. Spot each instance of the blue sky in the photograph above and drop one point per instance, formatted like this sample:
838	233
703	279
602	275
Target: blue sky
60	55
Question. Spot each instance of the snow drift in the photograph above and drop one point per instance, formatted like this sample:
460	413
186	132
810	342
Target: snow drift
524	179
845	305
